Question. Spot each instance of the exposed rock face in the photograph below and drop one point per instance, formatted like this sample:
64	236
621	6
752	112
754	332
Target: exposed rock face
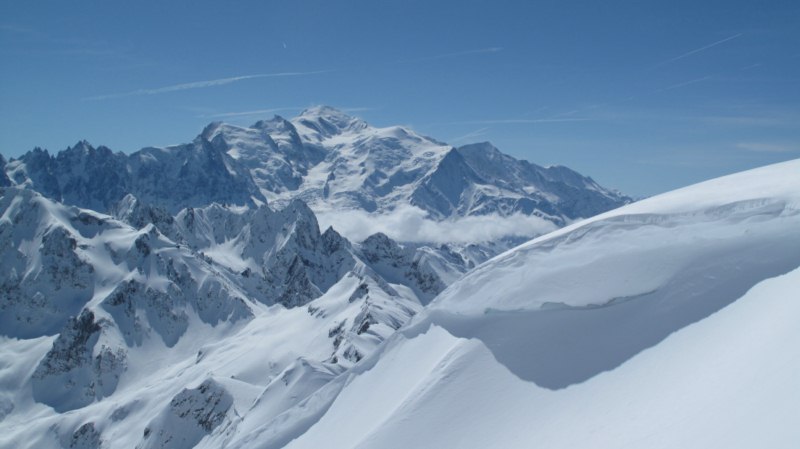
281	255
46	276
85	437
78	370
138	214
192	174
191	415
406	265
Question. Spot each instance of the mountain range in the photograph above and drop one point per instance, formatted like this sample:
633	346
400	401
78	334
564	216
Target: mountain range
123	273
323	157
187	296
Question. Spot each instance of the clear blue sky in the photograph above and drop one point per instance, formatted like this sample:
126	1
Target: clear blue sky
644	96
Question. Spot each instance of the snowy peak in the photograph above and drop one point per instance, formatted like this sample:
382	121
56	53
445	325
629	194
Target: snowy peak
272	151
446	190
556	191
328	122
325	157
175	177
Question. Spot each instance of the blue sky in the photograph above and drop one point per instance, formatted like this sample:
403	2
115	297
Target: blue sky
643	96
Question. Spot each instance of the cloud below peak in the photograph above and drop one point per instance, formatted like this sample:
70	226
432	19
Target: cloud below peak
411	224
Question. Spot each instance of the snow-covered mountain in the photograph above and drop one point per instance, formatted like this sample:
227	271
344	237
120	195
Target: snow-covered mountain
671	322
326	158
334	161
187	297
247	327
121	324
176	177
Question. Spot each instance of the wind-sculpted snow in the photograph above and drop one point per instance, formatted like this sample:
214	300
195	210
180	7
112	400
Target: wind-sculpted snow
613	277
667	323
639	248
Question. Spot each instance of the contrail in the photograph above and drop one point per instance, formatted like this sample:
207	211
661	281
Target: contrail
469	135
521	121
686	83
698	50
249	113
451	55
202	84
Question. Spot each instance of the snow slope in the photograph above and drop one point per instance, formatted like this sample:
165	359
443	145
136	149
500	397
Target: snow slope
666	323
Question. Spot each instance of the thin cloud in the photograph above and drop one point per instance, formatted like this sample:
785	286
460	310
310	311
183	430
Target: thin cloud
203	84
451	55
765	147
751	66
357	109
522	121
261	112
78	47
411	224
251	113
470	135
686	83
765	121
16	29
698	50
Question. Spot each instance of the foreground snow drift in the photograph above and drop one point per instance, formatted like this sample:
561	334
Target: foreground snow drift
666	323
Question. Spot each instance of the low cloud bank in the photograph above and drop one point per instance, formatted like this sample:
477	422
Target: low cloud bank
410	224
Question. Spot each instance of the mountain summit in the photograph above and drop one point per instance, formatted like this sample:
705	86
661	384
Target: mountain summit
325	157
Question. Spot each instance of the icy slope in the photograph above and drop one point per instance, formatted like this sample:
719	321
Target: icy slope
666	323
